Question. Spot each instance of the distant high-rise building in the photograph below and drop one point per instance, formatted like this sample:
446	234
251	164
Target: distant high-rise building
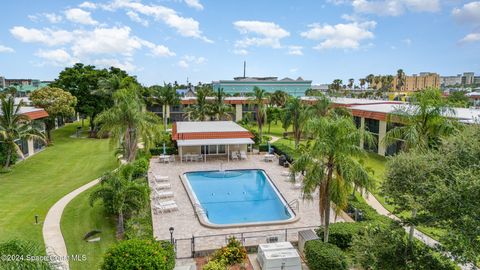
467	78
244	85
415	82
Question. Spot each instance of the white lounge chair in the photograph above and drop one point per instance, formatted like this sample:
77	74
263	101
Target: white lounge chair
163	195
234	155
160	178
164	203
165	208
286	173
243	155
163	186
297	185
268	157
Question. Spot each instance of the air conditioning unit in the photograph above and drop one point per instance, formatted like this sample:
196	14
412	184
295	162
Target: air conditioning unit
281	255
303	237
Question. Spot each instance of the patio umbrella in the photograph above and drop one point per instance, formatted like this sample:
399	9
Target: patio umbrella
164	149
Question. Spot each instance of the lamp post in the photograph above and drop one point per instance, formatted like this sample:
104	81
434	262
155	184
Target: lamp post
171	229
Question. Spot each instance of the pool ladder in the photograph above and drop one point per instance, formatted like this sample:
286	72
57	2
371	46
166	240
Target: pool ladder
294	204
199	209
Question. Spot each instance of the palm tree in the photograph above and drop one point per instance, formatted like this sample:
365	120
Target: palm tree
166	96
273	114
369	79
219	109
279	98
424	123
201	110
330	162
121	195
362	83
297	114
260	108
350	83
400	79
15	126
128	122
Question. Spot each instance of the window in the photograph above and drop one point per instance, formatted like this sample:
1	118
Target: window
372	125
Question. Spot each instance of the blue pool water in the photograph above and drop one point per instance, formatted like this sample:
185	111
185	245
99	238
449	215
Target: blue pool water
238	196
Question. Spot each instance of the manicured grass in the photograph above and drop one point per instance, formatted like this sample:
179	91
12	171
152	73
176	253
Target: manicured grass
78	219
34	185
275	129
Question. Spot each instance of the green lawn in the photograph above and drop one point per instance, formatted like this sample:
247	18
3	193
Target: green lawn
35	184
78	219
275	130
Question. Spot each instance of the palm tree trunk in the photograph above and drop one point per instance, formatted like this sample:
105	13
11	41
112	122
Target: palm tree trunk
164	109
412	227
120	225
9	157
327	206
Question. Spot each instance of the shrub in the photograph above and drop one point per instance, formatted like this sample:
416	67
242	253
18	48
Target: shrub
158	150
263	147
140	254
3	155
215	265
324	256
369	214
22	248
139	226
341	233
140	167
232	254
281	147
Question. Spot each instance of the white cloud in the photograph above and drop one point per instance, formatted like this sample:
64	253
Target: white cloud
87	4
469	13
50	17
162	51
46	36
5	49
340	36
240	51
407	41
115	40
395	7
267	34
295	50
134	17
57	57
194	4
188	60
293	70
472	37
81	16
126	65
187	27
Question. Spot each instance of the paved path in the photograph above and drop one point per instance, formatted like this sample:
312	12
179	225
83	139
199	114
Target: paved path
274	138
52	234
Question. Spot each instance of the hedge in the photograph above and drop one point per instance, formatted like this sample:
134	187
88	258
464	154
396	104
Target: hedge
369	214
282	148
341	234
156	151
324	256
140	254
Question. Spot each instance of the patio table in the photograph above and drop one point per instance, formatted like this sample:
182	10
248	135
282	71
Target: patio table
164	158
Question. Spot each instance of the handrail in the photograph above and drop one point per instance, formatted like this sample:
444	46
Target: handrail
295	202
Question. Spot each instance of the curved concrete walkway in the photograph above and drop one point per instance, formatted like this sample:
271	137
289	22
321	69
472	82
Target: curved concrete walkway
52	233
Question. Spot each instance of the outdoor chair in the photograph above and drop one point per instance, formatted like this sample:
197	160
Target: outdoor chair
243	155
234	155
163	186
160	178
165	207
163	195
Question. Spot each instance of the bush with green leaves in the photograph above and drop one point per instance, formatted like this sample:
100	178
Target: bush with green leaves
232	254
281	147
158	150
140	254
342	233
21	249
3	155
140	167
215	265
324	256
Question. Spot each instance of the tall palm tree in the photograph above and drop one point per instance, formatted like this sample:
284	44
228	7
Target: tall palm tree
424	123
129	123
350	83
121	195
166	96
330	162
297	114
278	98
369	79
201	110
362	83
400	79
261	108
15	126
219	109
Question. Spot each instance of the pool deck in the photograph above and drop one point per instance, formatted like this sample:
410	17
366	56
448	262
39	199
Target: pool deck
187	224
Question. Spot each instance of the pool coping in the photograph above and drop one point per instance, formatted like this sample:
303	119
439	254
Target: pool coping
204	220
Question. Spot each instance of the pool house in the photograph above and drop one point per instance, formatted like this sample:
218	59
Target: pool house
198	141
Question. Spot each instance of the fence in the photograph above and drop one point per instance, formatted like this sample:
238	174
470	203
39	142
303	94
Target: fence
203	245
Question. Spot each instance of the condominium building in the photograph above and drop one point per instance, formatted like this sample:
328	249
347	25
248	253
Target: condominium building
23	86
414	82
245	85
467	78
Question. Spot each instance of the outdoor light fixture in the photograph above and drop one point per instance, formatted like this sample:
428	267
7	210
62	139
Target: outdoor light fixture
171	229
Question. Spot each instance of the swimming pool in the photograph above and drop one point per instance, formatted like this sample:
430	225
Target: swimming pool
237	197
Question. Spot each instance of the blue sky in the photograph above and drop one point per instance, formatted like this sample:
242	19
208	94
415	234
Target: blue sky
205	40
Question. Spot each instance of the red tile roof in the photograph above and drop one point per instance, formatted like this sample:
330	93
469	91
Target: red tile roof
208	135
36	114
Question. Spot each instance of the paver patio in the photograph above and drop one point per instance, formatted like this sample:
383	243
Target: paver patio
186	224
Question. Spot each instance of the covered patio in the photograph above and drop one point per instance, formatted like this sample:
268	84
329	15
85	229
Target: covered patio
198	141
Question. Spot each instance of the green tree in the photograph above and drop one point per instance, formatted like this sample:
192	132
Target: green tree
201	110
121	195
56	102
424	123
22	248
166	96
128	122
15	126
273	115
350	83
260	108
400	79
335	86
278	98
330	162
219	109
370	79
297	114
362	83
458	99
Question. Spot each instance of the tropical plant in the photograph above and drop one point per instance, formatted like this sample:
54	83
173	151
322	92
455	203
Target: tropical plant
166	96
400	79
201	110
121	195
362	83
335	86
13	254
273	114
219	109
128	122
56	102
350	83
297	114
15	126
260	108
278	98
231	254
424	123
330	162
369	80
140	254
